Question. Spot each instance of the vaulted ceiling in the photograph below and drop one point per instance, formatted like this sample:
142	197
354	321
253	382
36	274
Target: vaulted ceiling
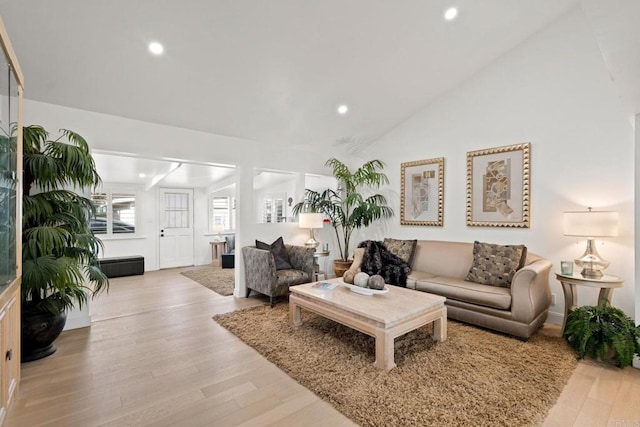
275	71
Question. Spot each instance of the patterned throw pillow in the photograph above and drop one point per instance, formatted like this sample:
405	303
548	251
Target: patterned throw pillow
279	252
496	264
403	249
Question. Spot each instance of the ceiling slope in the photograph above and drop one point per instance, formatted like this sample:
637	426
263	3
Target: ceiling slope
616	27
269	71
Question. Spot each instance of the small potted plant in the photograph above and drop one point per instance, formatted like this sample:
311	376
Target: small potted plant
352	205
603	332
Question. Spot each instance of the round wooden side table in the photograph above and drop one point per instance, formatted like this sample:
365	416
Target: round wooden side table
317	256
606	284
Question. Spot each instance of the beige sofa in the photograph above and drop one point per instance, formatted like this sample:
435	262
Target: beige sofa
441	268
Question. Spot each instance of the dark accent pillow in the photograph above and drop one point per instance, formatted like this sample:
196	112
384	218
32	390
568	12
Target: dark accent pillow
403	249
496	264
279	252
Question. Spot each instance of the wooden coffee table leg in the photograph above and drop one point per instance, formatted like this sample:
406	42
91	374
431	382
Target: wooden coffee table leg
440	327
294	313
384	351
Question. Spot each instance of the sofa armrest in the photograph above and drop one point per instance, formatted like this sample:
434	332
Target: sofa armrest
530	293
259	269
301	258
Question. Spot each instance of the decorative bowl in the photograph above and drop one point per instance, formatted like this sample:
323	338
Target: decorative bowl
364	291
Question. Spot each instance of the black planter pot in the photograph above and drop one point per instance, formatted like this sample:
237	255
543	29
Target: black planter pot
38	332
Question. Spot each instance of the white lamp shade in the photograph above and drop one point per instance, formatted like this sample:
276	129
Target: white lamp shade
310	220
218	228
591	224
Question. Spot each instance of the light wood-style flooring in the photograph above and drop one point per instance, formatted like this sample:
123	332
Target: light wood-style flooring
154	357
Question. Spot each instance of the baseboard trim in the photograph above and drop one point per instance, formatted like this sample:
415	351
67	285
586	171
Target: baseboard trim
555	318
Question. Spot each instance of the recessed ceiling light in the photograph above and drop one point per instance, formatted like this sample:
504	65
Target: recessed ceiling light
156	48
343	109
450	14
141	175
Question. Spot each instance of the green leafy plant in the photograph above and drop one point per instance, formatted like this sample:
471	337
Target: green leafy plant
351	206
603	331
59	250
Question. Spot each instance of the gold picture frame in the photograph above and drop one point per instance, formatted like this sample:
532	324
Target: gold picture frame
422	192
498	186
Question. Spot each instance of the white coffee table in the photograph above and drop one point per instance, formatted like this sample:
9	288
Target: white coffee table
383	317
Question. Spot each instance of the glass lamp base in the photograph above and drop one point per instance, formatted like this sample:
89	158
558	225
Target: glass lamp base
591	262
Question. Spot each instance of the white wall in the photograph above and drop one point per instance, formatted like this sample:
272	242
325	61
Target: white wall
285	188
554	91
202	236
117	134
636	361
145	241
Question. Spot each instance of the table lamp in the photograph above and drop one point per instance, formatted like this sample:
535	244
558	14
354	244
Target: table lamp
591	224
310	221
218	228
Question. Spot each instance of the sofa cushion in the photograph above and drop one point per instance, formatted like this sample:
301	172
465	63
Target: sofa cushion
279	252
451	259
416	276
495	264
403	249
461	290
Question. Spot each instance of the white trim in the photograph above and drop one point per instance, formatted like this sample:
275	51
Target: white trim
554	318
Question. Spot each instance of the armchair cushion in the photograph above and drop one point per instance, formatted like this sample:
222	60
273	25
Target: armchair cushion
279	252
261	274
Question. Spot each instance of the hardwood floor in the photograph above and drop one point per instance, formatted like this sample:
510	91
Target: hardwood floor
154	357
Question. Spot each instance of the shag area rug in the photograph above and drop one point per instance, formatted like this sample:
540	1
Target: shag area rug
219	280
475	377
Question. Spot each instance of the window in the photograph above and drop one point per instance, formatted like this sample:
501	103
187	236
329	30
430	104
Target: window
176	210
223	212
273	209
115	213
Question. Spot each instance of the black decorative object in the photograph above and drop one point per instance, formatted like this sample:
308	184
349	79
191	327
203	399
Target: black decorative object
378	260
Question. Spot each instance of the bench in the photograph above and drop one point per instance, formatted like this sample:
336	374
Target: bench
122	266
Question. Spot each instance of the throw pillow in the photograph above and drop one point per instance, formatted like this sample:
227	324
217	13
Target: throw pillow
495	264
403	249
279	252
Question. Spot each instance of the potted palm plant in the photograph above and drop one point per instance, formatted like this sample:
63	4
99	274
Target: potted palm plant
353	205
59	250
603	332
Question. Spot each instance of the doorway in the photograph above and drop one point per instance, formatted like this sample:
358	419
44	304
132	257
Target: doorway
176	227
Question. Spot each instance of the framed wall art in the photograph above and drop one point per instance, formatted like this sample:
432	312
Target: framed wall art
422	192
498	193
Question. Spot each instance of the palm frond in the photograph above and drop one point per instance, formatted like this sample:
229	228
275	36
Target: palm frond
59	250
348	207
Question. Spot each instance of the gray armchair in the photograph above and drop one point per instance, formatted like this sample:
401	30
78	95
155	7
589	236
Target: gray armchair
261	274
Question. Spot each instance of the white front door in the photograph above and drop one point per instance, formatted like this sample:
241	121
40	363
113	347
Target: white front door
176	228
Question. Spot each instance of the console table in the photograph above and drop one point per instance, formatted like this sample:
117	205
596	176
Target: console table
217	248
606	284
